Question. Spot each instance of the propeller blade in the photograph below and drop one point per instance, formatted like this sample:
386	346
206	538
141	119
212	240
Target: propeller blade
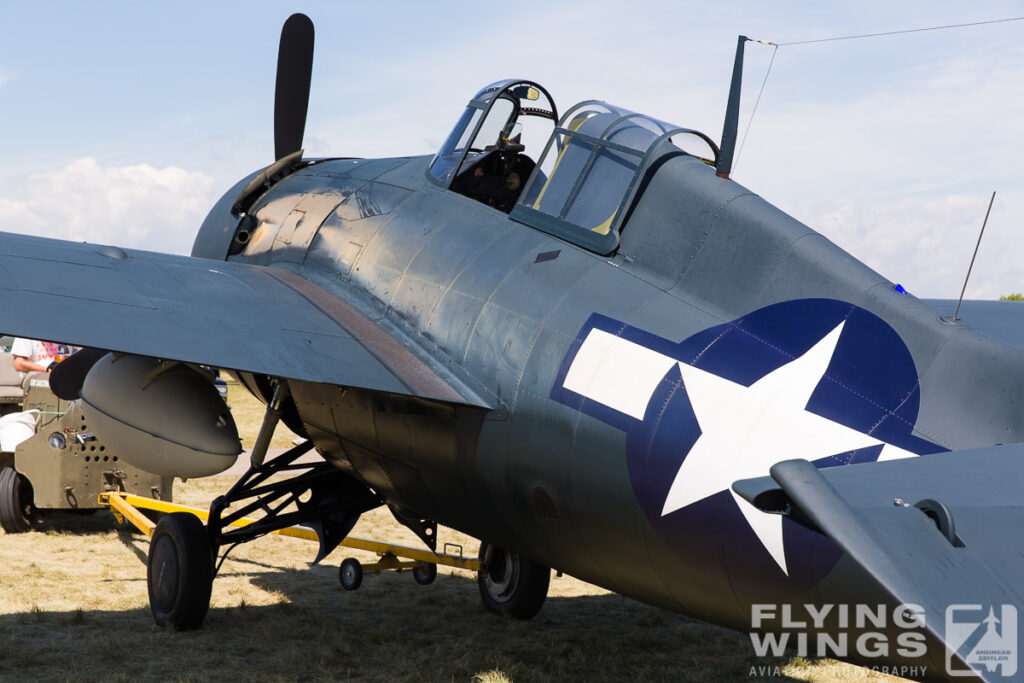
294	71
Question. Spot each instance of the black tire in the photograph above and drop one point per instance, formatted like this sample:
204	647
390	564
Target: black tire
179	572
350	574
17	510
511	584
425	573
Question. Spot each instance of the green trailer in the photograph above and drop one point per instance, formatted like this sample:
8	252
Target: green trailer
51	460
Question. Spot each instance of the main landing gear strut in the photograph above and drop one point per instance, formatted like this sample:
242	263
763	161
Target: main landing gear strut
326	502
183	553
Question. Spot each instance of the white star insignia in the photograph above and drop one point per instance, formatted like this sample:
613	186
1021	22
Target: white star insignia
744	430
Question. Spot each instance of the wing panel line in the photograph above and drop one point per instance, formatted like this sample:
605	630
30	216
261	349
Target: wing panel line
400	362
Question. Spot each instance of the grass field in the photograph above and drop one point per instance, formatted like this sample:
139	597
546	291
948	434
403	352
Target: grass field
73	605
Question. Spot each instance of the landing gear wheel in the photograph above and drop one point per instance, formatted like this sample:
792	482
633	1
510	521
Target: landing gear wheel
16	508
179	572
350	574
510	583
425	573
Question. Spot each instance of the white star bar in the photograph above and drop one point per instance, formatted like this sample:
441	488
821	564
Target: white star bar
616	372
744	430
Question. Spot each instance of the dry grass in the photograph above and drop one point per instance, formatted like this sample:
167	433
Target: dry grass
74	605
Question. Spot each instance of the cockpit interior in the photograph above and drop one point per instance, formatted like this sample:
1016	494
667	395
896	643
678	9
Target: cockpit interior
575	177
485	156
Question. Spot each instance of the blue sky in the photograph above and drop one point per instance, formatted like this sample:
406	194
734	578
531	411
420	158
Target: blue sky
123	122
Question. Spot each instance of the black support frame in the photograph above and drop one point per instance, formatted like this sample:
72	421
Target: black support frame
334	503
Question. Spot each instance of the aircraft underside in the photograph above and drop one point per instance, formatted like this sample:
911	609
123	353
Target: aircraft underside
425	462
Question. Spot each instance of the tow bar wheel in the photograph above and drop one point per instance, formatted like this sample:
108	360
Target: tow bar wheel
179	572
424	573
350	574
510	583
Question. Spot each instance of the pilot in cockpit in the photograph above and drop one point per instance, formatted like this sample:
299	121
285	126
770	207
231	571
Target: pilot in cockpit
485	157
496	176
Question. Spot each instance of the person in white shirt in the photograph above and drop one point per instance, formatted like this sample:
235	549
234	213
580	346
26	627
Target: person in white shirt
31	355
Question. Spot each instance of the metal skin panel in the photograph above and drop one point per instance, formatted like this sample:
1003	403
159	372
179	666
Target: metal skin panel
293	238
386	255
215	234
196	310
656	245
497	349
578	462
408	175
455	318
370	169
985	409
996	319
867	508
370	200
958	480
478	399
705	531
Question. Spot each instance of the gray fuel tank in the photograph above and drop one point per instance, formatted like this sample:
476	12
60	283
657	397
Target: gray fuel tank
167	418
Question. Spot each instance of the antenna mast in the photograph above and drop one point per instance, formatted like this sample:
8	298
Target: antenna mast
732	114
983	224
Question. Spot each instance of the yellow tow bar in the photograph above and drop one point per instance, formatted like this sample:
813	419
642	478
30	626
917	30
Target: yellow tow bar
126	506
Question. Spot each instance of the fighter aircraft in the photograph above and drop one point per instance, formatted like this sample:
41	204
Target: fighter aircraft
571	335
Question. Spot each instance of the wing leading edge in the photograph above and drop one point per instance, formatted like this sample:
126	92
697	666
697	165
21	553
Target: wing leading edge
223	314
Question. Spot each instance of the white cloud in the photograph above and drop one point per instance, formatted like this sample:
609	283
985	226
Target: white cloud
888	146
926	245
899	173
138	206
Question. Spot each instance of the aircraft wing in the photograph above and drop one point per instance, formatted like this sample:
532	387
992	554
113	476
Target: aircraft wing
1001	320
228	315
870	511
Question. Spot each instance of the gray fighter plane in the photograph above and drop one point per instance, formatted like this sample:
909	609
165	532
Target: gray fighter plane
571	335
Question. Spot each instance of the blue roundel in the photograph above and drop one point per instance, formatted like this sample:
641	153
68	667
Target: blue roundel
870	386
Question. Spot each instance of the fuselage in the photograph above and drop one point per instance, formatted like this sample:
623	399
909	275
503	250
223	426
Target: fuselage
575	474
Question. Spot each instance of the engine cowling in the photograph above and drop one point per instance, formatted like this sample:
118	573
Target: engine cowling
166	418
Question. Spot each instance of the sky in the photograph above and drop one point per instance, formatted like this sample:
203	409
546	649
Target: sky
122	123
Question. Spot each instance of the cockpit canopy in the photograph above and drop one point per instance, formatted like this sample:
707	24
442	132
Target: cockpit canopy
585	179
499	124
